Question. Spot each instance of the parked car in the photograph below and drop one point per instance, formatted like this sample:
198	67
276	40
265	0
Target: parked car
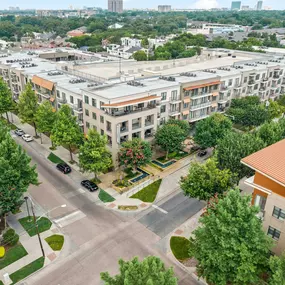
19	132
64	168
202	153
27	138
91	186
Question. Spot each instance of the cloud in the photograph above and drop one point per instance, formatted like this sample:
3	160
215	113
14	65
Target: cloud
206	4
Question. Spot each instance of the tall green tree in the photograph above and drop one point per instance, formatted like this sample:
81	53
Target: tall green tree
66	131
45	118
270	132
230	245
205	180
140	55
277	267
184	125
281	100
275	110
16	173
135	153
150	271
28	106
6	101
233	147
211	129
170	137
94	156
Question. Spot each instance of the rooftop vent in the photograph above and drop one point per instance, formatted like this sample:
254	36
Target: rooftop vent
77	80
135	83
53	73
188	74
167	78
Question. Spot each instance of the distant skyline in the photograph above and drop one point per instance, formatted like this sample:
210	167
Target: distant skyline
128	4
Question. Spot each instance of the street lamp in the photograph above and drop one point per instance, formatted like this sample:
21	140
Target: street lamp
36	221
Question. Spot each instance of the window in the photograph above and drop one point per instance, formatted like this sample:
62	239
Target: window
270	74
63	95
94	116
86	112
102	132
230	82
185	117
94	128
86	99
87	125
71	100
275	234
187	94
94	103
57	94
245	80
163	95
101	119
236	81
174	93
163	109
278	213
185	105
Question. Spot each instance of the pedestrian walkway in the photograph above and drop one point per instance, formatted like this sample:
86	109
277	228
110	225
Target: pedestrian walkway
31	244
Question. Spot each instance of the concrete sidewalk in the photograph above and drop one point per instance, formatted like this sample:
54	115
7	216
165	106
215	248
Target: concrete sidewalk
31	244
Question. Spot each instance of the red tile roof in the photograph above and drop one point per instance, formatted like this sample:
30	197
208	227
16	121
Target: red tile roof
269	161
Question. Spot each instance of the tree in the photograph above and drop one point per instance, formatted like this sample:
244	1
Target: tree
135	153
150	271
230	245
140	55
66	131
27	106
233	147
211	129
281	100
6	101
274	110
270	132
16	174
206	180
170	137
45	118
93	155
277	266
184	125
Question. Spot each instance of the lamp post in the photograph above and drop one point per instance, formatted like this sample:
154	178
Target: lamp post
36	221
26	200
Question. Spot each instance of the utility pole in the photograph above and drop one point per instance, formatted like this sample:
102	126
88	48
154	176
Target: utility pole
26	199
37	227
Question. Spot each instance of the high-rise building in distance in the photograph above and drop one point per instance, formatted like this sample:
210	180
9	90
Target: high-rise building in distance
115	6
236	5
164	8
259	5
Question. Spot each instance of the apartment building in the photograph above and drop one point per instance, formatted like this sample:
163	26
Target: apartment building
268	185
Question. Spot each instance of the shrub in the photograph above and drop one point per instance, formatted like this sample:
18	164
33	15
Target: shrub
2	251
10	237
127	208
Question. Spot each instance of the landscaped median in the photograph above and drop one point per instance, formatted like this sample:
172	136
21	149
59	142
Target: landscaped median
148	194
180	247
55	242
12	255
27	270
105	197
28	224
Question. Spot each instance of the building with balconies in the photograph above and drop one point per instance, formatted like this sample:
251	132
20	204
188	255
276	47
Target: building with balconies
268	186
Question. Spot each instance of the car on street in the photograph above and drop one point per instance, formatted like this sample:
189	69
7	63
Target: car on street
202	153
91	186
64	168
27	138
19	132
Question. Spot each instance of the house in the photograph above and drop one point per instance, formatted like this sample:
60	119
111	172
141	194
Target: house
77	32
268	185
116	26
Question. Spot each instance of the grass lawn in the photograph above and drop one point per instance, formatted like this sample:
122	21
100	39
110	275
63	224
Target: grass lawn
27	223
55	242
148	194
105	197
180	247
27	270
130	174
173	155
1	283
55	159
13	254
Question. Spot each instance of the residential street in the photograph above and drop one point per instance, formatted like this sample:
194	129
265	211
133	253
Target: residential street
95	236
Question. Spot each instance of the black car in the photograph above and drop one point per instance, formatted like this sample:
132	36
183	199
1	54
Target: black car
202	153
91	186
64	168
19	132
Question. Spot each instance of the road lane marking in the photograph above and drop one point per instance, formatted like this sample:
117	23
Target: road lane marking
160	209
69	219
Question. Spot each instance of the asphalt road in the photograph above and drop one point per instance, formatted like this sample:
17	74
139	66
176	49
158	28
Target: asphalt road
97	239
171	214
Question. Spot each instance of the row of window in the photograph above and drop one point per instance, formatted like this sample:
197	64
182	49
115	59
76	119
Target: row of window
279	214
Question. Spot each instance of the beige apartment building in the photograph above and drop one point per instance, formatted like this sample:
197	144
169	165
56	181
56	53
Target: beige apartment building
268	185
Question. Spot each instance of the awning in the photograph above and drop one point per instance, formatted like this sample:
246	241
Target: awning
131	102
201	85
214	104
43	82
215	93
186	100
52	99
186	112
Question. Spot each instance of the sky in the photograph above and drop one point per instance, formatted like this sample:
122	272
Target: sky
128	4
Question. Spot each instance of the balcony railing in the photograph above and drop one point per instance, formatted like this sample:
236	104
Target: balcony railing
119	113
62	100
148	123
77	108
124	129
199	117
201	106
43	94
174	111
80	122
136	126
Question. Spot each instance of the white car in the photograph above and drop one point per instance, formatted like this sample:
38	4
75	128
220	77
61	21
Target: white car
27	138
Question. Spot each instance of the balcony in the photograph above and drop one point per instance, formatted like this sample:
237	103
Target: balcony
224	88
175	99
62	100
148	122
136	126
80	122
44	94
200	106
174	111
251	82
200	117
77	108
123	112
124	129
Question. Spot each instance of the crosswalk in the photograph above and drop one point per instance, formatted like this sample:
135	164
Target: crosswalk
69	219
